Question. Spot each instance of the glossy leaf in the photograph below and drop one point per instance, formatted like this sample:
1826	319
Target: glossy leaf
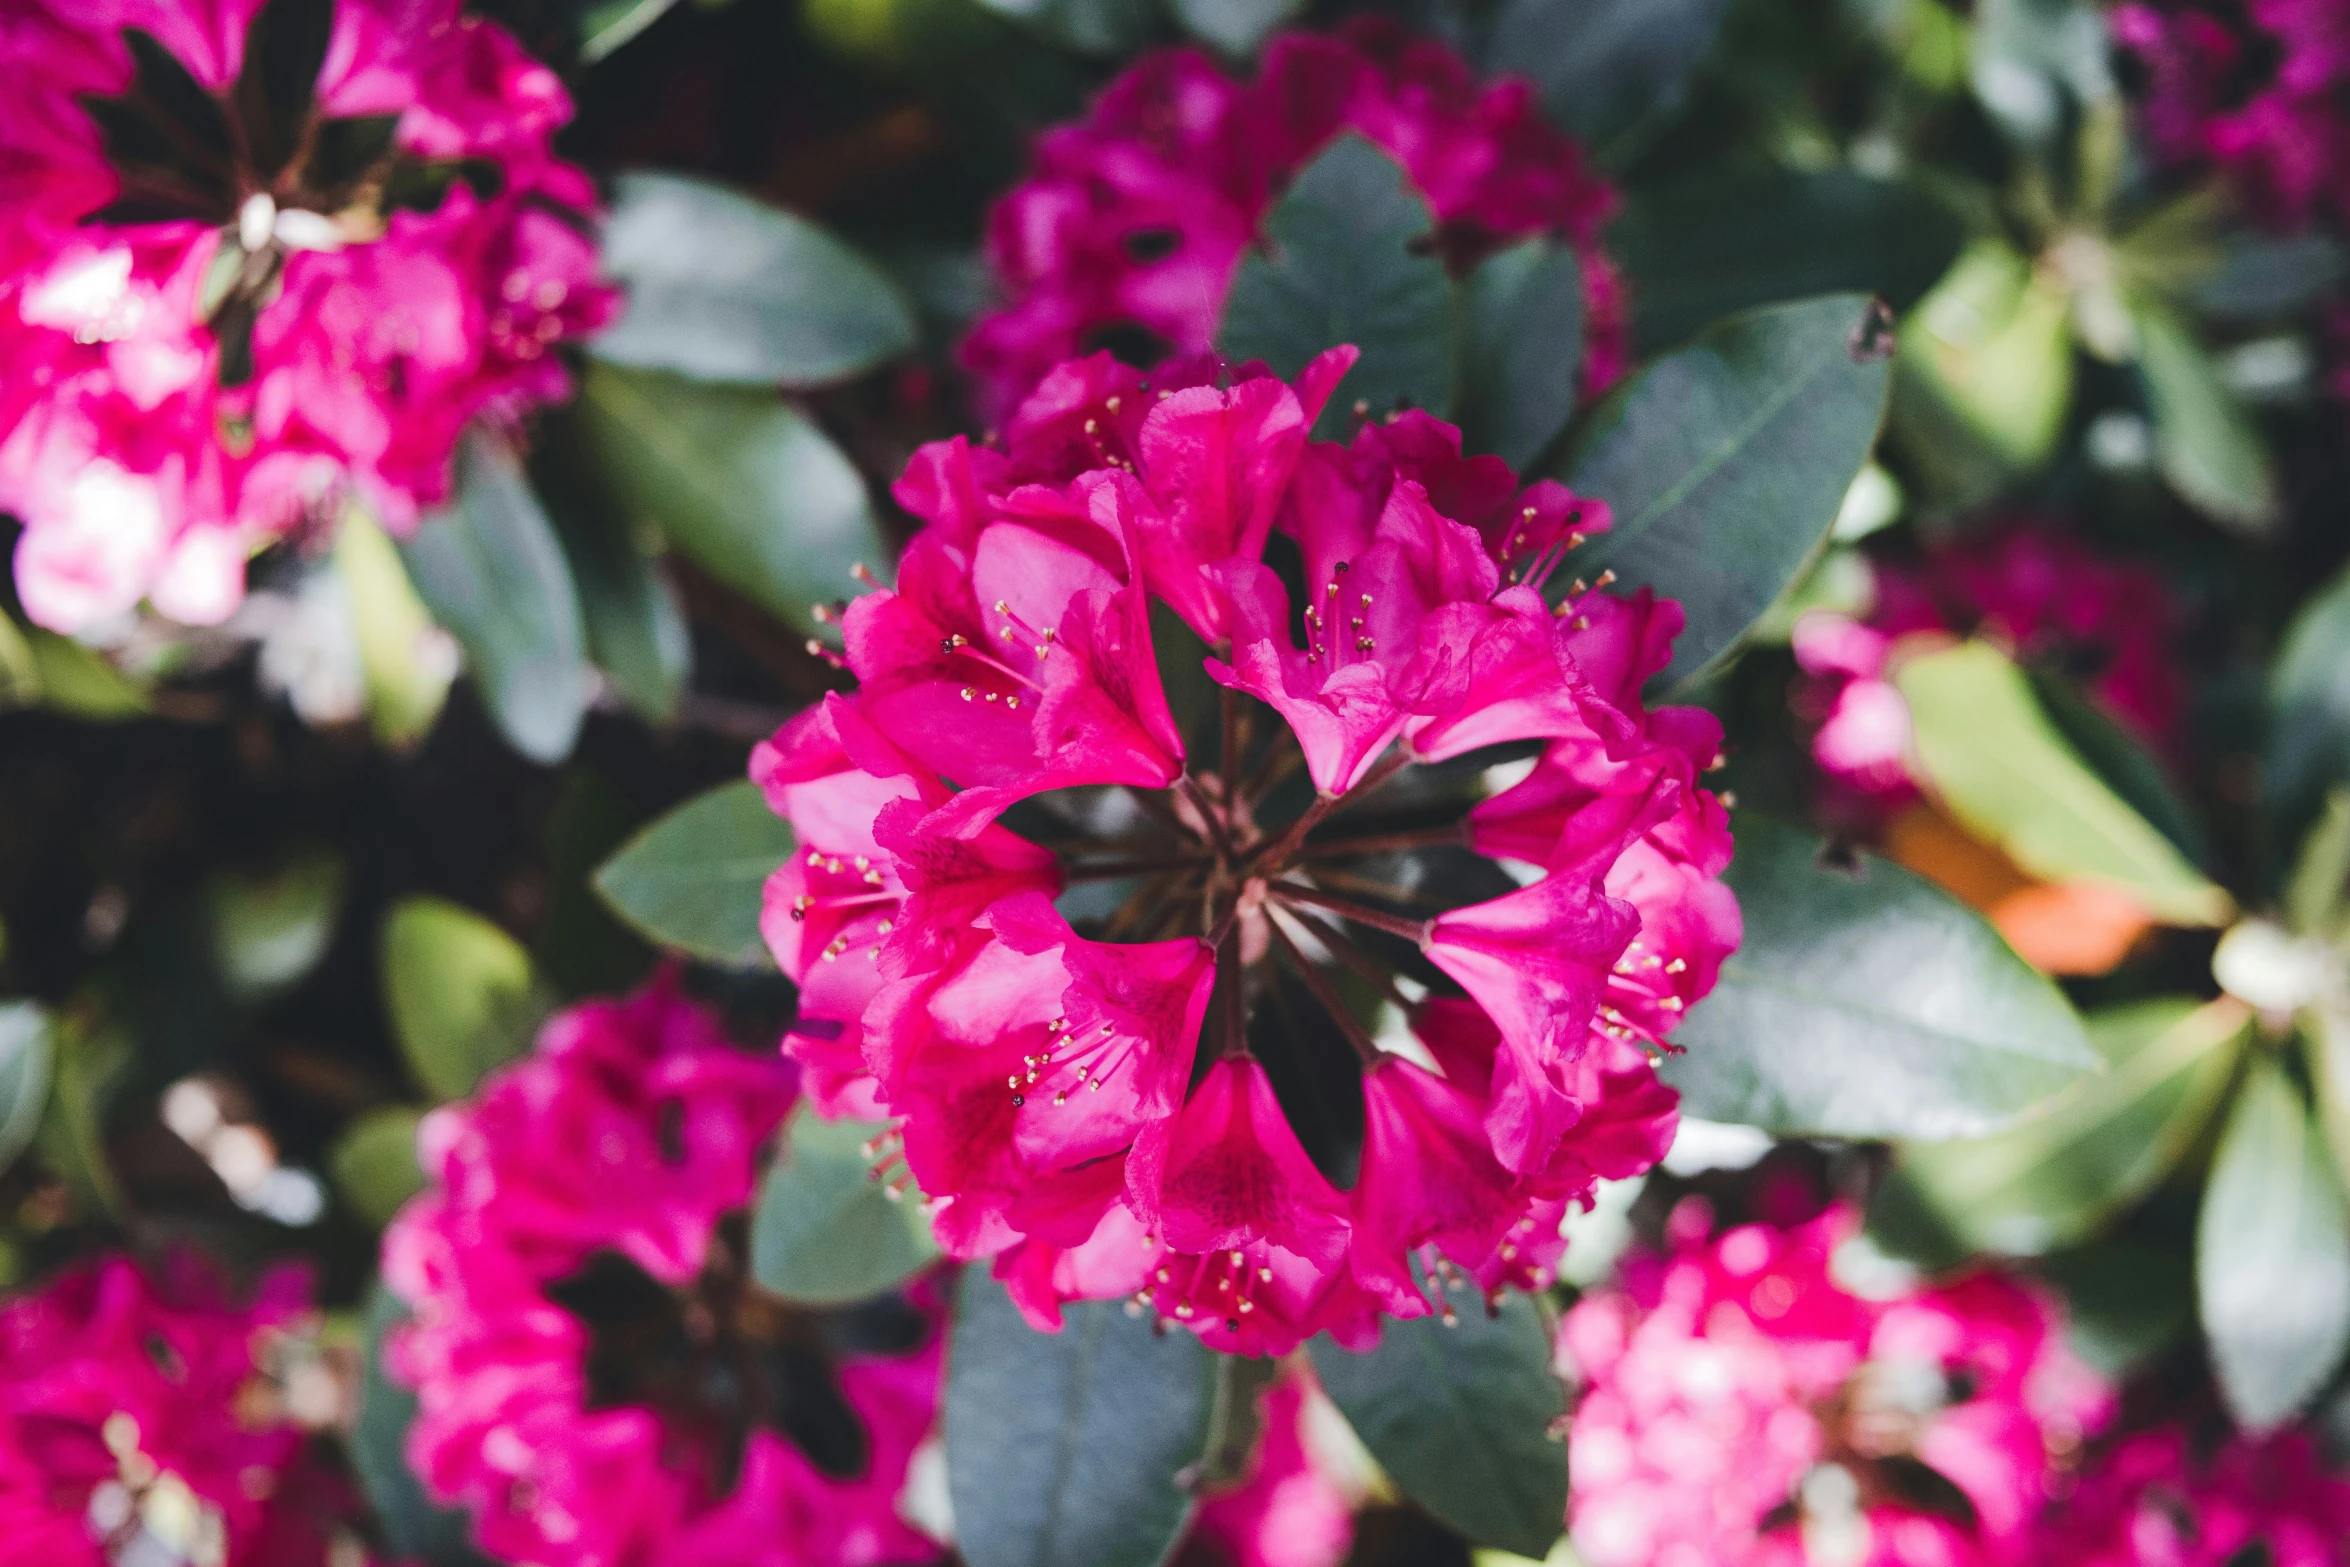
1867	1002
1237	27
2054	1180
2272	1255
1348	264
636	629
745	485
692	880
2120	759
1705	248
27	1059
1460	1417
414	1527
1990	350
269	932
405	660
1726	463
608	25
462	995
1068	1449
2309	701
826	1230
2204	439
1521	350
1990	753
1604	67
374	1163
493	573
724	288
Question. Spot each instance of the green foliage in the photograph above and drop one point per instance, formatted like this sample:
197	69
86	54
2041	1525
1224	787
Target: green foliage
492	571
413	1526
79	681
27	1057
1069	1449
374	1163
406	685
269	932
724	288
1460	1413
1726	462
2309	701
462	994
1605	69
692	880
2055	1180
1521	350
2272	1255
1867	1002
827	1231
636	629
2204	440
1996	761
738	480
1348	263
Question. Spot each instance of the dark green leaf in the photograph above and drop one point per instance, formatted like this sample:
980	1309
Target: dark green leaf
2005	772
692	881
285	48
2125	1302
826	1231
1867	1002
414	1527
2264	276
2106	1142
374	1163
754	492
1350	263
1604	67
636	630
1521	350
2204	441
2120	760
1726	463
1094	27
269	932
1067	1449
1236	27
724	288
1709	247
608	24
1460	1417
462	995
2309	703
492	571
2272	1255
27	1054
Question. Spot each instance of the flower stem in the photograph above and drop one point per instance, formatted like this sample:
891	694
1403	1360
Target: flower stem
1413	931
1364	966
1329	999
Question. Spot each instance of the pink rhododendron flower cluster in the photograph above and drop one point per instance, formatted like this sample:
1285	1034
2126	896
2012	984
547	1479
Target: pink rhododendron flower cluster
2162	1499
228	301
2259	87
1136	217
634	1132
2041	593
139	1422
1012	743
1740	1406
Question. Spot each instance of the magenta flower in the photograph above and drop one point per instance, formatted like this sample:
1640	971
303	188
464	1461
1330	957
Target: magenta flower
141	1419
597	1382
2257	89
1262	1043
2039	592
2163	1498
296	303
1130	229
1739	1405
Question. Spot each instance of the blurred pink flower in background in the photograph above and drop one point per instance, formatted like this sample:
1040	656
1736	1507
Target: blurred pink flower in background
1135	218
1740	1405
2041	594
634	1130
1292	1506
229	302
2260	88
1044	1083
2167	1497
140	1420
